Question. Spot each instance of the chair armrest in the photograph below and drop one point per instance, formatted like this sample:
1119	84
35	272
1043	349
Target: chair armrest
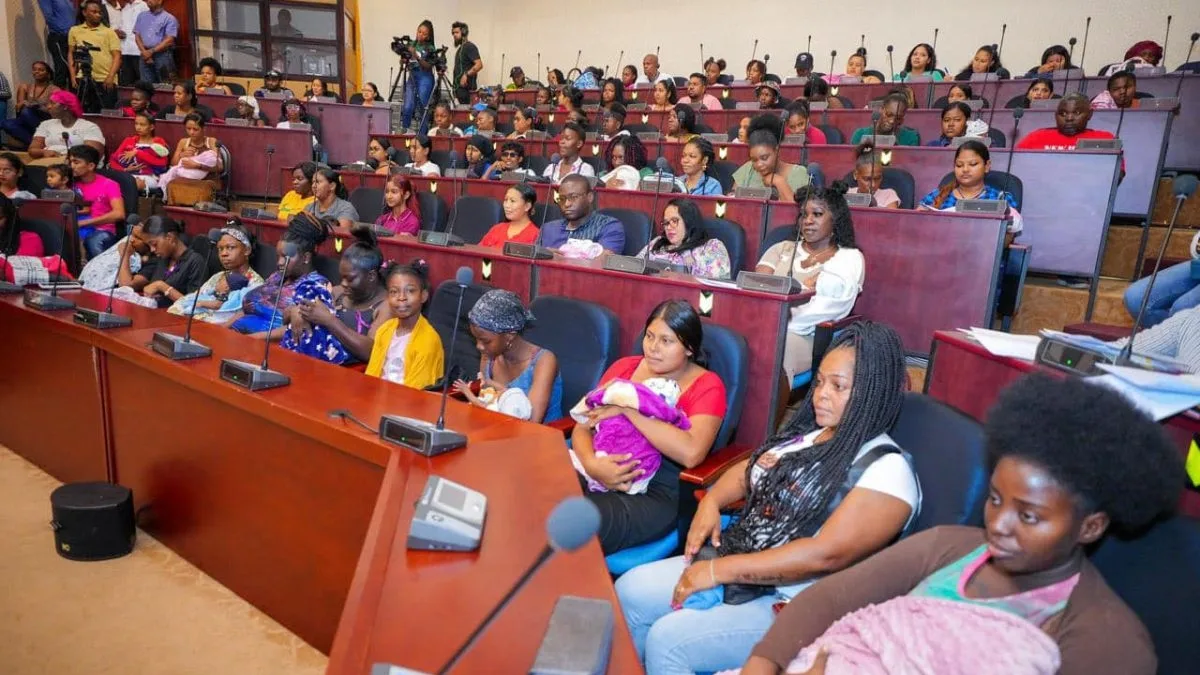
823	335
564	424
707	472
1099	331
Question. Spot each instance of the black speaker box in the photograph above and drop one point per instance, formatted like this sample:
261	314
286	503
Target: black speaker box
92	521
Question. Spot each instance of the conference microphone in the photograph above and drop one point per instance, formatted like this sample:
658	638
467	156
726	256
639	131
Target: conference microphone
448	237
66	139
754	52
1182	73
643	264
891	67
935	36
1166	38
832	56
1087	28
578	55
182	348
702	56
260	377
1185	186
1000	47
425	438
1017	114
52	302
270	150
796	243
501	85
1070	55
539	64
770	283
862	41
107	319
808	48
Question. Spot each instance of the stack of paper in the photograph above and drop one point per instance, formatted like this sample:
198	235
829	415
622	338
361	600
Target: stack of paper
1159	394
1006	344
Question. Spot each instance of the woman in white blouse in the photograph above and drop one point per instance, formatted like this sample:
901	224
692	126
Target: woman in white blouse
827	262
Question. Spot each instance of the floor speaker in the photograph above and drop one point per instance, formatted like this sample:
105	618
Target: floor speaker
92	521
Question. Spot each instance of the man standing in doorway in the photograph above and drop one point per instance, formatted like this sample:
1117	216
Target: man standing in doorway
156	31
467	63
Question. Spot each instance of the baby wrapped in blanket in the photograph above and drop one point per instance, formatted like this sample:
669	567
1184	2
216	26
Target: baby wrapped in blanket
654	397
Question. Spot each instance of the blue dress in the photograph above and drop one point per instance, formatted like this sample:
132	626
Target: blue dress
524	382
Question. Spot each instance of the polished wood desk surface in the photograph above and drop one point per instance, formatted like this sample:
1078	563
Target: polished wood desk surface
291	514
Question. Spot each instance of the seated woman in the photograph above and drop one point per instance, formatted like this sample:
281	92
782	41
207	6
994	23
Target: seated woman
479	153
519	200
407	349
329	198
197	156
959	92
29	109
798	123
804	516
296	279
174	271
680	124
629	76
15	240
1120	93
972	161
419	151
210	70
612	92
141	99
697	158
247	109
11	170
665	96
543	97
370	95
671	346
1056	57
1069	461
377	154
986	60
485	124
828	262
186	103
340	327
293	115
143	154
954	124
868	176
625	156
922	62
570	99
403	214
318	90
220	298
65	129
1143	54
1040	89
301	194
509	361
685	242
766	168
525	120
100	273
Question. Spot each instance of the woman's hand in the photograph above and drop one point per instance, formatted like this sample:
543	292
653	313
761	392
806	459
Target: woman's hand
316	313
697	577
129	155
297	323
154	288
616	472
706	528
599	414
1046	68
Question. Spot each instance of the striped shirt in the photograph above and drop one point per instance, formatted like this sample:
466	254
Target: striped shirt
1177	338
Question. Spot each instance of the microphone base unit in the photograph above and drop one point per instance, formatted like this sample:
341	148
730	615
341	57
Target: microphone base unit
9	288
578	638
636	265
177	347
421	437
101	320
1071	358
768	283
47	302
439	238
516	249
448	517
252	376
989	206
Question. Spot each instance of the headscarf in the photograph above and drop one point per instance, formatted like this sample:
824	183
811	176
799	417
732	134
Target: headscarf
238	235
1145	45
252	102
484	146
500	311
68	101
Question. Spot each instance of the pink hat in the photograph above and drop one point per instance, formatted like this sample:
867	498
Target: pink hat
69	100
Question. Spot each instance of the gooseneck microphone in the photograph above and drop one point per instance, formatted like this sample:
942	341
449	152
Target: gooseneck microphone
832	57
423	437
1087	28
260	377
1183	73
179	348
107	319
935	37
51	302
571	525
270	150
1185	186
1017	113
1166	38
1000	47
754	52
891	67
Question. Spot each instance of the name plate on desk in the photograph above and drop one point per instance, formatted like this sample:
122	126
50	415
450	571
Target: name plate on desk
655	184
592	136
324	99
172	117
164	86
794	139
992	206
448	517
715	138
767	283
635	265
816	106
959	140
455	173
438	238
536	135
859	198
236	122
518	249
1098	144
744	192
879	140
632	107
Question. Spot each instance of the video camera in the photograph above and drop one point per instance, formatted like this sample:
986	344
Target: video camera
81	54
404	48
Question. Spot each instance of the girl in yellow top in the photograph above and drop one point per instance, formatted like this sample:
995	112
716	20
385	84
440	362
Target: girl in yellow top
408	350
301	194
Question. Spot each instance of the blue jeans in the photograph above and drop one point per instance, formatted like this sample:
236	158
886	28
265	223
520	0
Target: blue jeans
687	640
22	126
1174	291
416	97
97	242
151	72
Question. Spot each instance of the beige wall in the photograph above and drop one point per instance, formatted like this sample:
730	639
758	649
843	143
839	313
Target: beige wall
23	41
520	28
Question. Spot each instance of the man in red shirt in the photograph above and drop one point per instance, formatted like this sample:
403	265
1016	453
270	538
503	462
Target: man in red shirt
1071	121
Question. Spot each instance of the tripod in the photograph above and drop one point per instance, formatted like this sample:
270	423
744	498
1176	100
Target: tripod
88	92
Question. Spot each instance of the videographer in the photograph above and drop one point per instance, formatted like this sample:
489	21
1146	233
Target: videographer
418	56
467	62
93	59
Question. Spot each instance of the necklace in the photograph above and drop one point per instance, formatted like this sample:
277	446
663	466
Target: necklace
815	259
961	195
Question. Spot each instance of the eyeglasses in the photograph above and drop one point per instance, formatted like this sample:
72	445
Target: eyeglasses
510	153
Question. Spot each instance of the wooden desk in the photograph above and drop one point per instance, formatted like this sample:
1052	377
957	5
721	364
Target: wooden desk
289	508
247	146
969	378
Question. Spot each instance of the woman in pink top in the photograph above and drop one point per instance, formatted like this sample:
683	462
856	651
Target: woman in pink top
103	207
14	240
404	211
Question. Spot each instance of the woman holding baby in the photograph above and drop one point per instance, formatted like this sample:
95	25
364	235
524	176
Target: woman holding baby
829	489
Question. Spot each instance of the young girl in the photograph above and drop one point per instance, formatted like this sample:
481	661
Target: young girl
407	348
443	121
404	211
419	150
58	177
868	176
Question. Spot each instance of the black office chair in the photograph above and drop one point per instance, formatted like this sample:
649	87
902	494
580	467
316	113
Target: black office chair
1001	180
235	88
204	248
33	179
462	358
399	155
639	128
264	259
537	164
329	267
472	216
356	99
597	164
833	135
723	171
445	159
999	140
637	228
583	336
545	212
733	237
51	234
896	179
433	211
368	202
129	193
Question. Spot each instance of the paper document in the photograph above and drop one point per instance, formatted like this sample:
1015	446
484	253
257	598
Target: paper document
1158	404
1006	344
717	283
1148	379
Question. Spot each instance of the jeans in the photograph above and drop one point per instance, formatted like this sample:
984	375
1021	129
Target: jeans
687	640
416	97
3	110
56	44
97	242
22	126
153	72
1174	291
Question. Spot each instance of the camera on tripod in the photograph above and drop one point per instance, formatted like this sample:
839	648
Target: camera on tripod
404	48
82	55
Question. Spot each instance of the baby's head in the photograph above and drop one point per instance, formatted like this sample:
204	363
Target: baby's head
667	389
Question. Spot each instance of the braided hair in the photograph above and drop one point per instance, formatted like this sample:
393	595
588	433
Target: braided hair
635	151
790	500
305	231
364	254
706	150
834	198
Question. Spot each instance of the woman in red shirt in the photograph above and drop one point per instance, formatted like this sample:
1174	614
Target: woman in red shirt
518	210
671	348
143	154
